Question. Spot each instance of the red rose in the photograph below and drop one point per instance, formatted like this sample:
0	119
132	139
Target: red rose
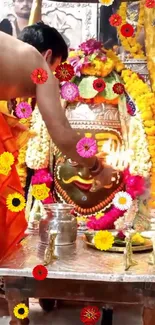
115	20
99	84
39	76
90	315
127	30
40	272
64	72
118	88
150	3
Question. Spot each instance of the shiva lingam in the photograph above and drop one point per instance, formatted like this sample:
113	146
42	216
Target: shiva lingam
72	182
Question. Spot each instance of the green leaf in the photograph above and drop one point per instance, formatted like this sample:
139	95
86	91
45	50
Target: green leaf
92	57
86	88
108	92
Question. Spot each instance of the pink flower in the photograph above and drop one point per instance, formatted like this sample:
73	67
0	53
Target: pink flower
42	176
135	184
90	46
105	222
78	63
69	91
120	235
49	199
23	110
86	147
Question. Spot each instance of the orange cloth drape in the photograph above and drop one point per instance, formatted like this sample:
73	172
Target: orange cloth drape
12	224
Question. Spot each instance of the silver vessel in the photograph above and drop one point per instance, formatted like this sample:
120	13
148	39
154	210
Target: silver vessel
58	218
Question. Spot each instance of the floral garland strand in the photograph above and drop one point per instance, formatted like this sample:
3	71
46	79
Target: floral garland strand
37	154
140	157
21	165
145	102
130	44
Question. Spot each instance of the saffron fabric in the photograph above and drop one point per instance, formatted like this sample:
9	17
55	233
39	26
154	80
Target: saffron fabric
13	136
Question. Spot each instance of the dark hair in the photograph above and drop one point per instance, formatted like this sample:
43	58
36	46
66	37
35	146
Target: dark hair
44	37
5	26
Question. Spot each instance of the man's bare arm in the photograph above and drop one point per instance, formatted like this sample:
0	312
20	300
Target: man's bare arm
48	100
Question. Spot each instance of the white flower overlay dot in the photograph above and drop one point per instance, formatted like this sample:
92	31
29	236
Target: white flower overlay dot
122	200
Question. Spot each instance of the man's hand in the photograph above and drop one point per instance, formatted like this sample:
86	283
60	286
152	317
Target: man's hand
105	179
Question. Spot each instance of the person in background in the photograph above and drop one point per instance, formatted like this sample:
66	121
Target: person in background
22	10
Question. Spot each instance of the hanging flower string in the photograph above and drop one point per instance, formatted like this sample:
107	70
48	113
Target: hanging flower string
145	102
126	33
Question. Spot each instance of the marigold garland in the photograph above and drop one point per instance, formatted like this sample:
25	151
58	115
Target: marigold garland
130	44
145	102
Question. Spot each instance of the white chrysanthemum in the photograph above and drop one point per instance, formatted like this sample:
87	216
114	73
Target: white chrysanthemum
122	200
140	161
37	155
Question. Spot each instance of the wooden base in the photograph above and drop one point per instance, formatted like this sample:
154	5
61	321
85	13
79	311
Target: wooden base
20	289
148	316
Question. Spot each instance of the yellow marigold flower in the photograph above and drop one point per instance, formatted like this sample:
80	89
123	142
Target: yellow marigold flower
151	204
15	202
99	215
4	169
40	191
7	158
81	219
103	240
147	115
106	3
149	123
152	147
138	239
21	311
150	131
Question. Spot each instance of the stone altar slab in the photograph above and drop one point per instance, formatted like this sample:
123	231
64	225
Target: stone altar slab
77	263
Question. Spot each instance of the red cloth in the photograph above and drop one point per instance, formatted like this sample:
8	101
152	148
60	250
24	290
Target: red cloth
12	224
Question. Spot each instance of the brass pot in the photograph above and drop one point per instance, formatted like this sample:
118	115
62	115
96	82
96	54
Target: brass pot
58	218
